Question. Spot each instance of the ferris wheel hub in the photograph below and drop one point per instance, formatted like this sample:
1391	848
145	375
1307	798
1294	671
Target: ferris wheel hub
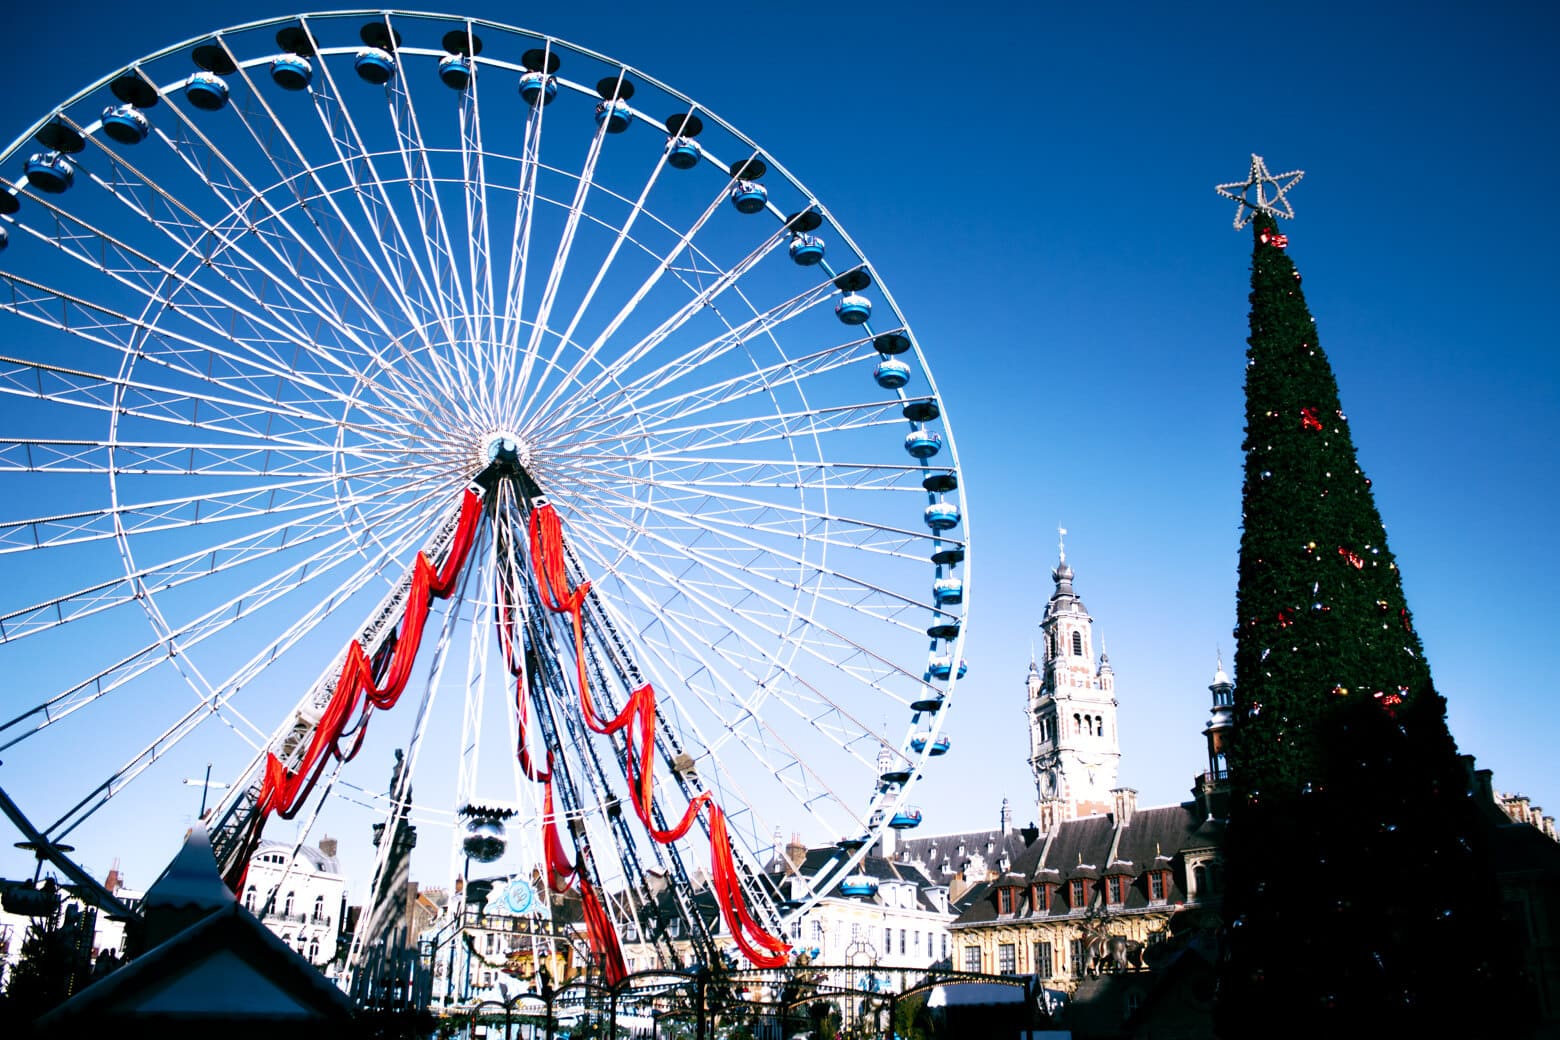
506	450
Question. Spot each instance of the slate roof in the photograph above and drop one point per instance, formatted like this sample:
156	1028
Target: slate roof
1092	847
940	856
313	857
873	866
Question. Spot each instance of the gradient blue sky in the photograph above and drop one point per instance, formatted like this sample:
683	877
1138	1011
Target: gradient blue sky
1034	183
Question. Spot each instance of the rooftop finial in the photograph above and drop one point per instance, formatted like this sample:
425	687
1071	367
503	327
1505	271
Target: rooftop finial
1061	543
1259	178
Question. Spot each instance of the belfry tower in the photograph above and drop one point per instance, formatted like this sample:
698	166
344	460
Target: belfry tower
1074	749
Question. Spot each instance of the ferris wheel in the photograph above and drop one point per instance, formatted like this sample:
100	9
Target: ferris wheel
405	382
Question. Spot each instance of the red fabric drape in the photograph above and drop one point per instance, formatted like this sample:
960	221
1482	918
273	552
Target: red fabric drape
638	718
283	791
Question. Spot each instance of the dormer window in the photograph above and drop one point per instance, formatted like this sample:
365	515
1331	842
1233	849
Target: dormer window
1038	898
1004	900
1156	886
1078	893
1115	890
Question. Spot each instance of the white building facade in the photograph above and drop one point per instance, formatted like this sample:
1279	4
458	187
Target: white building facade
300	898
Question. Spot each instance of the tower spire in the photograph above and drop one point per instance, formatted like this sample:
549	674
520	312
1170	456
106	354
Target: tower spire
1074	748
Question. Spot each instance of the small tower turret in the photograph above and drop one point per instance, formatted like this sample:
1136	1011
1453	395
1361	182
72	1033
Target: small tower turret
1212	789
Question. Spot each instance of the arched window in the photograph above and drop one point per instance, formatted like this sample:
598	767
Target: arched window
1077	644
1099	726
319	908
314	950
287	907
1200	879
1088	725
1077	724
249	899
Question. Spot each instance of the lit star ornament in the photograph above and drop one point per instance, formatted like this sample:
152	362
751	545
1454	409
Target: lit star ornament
1261	180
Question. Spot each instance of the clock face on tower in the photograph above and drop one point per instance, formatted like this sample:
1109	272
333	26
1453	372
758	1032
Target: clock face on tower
1091	769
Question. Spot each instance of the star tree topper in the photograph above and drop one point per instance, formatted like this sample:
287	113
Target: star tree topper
1260	179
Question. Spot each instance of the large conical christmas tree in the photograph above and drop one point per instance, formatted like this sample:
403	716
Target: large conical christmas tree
1359	894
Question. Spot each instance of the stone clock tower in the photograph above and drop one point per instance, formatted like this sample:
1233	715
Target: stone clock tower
1074	749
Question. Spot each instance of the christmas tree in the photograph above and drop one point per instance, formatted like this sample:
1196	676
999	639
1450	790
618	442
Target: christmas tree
1360	896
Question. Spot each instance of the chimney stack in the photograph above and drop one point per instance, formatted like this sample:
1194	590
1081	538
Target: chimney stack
796	852
1126	804
328	846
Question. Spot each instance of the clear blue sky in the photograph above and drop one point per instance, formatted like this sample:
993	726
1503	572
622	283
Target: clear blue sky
1034	184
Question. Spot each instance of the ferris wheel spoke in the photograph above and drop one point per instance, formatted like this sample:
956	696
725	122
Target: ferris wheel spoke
350	260
687	403
520	247
665	264
617	402
271	588
701	300
722	545
167	458
217	249
779	427
264	353
139	399
404	536
714	509
176	354
692	474
286	535
373	193
724	588
188	512
571	225
480	331
426	205
414	290
703	629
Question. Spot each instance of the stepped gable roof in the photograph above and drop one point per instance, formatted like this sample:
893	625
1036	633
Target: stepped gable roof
191	881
